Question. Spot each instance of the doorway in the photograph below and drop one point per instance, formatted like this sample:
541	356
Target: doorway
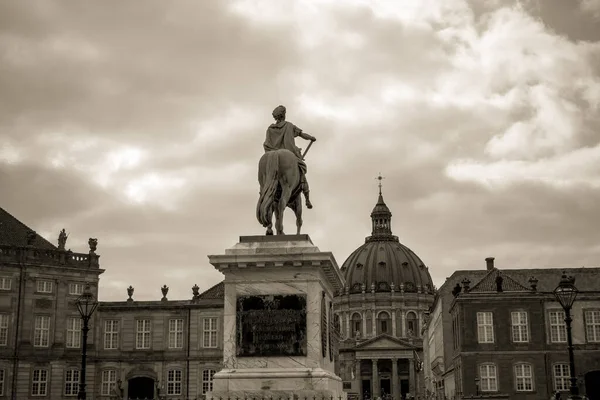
592	385
404	387
366	387
140	388
385	387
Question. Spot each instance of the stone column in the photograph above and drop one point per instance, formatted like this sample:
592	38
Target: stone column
375	379
420	317
349	333
364	325
374	322
411	377
403	315
395	380
394	323
357	377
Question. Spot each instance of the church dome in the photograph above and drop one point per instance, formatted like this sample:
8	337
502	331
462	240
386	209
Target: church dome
383	263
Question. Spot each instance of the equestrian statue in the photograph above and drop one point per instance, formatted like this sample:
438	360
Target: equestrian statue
282	174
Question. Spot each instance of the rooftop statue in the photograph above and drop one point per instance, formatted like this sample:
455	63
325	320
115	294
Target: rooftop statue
282	174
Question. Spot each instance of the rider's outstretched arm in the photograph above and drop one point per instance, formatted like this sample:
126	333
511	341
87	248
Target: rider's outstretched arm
306	136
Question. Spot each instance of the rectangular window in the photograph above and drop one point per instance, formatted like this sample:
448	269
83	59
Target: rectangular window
520	332
5	282
524	377
39	382
41	333
207	380
210	332
76	288
488	380
174	382
44	286
142	340
74	332
175	333
592	325
3	329
111	334
558	328
485	327
2	377
109	382
562	376
72	382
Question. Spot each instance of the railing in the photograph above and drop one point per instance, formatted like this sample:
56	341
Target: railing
31	255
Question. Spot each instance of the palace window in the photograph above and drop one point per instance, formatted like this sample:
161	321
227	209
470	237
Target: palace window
71	382
4	329
111	334
412	326
2	377
142	339
485	327
76	288
41	332
356	325
5	282
176	333
39	382
562	377
520	333
207	380
44	286
592	325
74	332
558	328
210	332
488	378
524	377
174	382
384	322
108	382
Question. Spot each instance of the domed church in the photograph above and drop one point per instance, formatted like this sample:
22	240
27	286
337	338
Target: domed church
381	311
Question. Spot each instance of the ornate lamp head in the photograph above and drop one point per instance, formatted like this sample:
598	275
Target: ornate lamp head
566	292
86	303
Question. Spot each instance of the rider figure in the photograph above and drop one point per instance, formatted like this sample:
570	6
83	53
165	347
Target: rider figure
280	135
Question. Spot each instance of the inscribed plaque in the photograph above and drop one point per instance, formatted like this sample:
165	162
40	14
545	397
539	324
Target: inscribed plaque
271	325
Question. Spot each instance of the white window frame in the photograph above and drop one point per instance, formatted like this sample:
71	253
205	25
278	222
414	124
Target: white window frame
5	282
592	326
210	332
176	333
41	331
71	382
488	377
524	377
44	286
558	326
73	332
76	289
519	326
174	382
111	334
207	380
2	378
39	382
108	382
143	334
561	372
4	318
485	327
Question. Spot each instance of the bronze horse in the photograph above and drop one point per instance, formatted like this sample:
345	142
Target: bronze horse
280	187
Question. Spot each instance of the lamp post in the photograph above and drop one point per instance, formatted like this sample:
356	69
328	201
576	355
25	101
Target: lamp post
566	293
86	304
477	385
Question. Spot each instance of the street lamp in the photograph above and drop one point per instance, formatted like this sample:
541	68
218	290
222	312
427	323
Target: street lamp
86	304
477	385
566	293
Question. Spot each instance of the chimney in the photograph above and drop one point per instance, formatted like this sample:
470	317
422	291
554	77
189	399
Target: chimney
489	263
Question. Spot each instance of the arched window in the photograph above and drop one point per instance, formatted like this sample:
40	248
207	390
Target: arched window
488	378
412	324
356	325
383	323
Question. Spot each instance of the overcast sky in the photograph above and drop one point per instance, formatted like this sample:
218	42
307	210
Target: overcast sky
141	124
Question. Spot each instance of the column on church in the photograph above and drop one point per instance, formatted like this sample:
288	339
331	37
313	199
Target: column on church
395	379
394	323
411	376
349	333
403	316
364	325
357	376
374	322
375	379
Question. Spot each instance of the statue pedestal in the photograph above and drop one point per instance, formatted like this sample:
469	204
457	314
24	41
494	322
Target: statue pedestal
278	320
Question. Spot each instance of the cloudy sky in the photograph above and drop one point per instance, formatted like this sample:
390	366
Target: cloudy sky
141	124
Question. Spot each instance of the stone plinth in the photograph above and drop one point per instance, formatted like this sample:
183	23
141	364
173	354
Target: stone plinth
277	319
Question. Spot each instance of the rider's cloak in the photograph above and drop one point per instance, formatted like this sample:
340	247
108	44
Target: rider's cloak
281	135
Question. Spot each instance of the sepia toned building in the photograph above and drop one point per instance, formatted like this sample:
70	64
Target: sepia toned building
501	334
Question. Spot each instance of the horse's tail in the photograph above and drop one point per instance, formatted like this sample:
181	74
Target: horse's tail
269	179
